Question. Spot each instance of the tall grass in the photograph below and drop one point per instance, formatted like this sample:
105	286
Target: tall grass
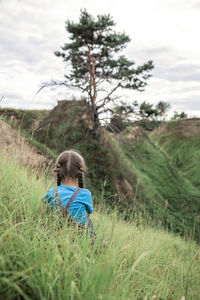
172	198
42	258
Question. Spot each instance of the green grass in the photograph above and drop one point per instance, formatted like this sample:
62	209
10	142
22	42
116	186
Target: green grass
26	119
184	153
42	258
159	188
39	145
162	191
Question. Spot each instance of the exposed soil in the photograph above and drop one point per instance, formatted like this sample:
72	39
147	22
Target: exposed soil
124	189
77	109
188	127
12	142
133	134
27	119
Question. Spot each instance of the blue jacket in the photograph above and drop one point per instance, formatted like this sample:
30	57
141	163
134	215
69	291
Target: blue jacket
80	207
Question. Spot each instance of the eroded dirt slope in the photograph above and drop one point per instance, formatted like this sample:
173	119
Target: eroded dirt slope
12	142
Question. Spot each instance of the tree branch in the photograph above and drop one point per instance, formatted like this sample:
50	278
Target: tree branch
106	110
107	98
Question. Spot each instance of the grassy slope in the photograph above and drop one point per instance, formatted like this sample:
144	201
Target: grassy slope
181	141
24	122
41	260
26	119
67	127
159	189
171	198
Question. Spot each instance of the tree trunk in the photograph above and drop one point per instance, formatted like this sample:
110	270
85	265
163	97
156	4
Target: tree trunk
93	95
96	124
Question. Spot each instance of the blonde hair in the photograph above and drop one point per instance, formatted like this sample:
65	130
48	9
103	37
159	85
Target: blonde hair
70	164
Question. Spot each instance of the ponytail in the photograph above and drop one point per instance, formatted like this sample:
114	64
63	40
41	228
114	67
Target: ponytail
58	174
58	179
80	179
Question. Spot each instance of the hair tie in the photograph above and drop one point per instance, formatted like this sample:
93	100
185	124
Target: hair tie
58	168
81	169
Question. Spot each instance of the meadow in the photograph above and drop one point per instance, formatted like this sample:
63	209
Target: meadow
42	258
155	173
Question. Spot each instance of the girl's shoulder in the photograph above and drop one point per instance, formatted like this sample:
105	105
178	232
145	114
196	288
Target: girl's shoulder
49	196
62	188
50	192
85	194
86	191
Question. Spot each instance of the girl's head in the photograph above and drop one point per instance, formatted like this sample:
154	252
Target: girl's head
70	165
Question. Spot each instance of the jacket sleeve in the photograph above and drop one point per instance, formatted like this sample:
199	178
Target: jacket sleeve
89	205
49	198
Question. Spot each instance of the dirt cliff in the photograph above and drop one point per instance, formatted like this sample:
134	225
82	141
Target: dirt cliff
12	142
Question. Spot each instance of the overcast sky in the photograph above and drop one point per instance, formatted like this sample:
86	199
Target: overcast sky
166	31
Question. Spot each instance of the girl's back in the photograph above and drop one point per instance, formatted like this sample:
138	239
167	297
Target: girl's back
80	207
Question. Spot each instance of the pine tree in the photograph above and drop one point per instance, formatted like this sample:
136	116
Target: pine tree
94	55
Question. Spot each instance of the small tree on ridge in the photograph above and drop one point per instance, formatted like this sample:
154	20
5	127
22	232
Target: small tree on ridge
93	53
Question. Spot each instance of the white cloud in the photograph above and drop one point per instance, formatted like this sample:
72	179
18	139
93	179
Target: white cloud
165	31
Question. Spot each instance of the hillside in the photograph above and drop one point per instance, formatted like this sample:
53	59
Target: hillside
130	164
136	172
152	184
41	258
181	141
25	119
67	126
13	143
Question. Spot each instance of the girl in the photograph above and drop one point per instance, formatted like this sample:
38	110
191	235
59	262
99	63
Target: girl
70	195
